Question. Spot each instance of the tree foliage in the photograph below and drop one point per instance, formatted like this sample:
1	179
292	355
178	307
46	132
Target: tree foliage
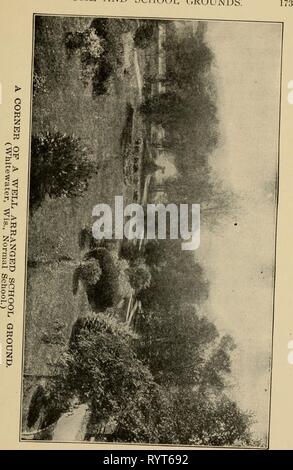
60	167
174	343
204	420
113	283
144	33
139	275
188	112
164	108
88	272
103	370
176	276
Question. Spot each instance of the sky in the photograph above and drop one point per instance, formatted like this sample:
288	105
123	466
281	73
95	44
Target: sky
239	259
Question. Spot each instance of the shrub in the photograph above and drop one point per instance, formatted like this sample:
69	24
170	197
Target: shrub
100	49
129	250
102	294
140	276
90	47
102	369
113	283
90	272
86	239
60	166
101	26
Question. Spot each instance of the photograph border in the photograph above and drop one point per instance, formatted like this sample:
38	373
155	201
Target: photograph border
114	445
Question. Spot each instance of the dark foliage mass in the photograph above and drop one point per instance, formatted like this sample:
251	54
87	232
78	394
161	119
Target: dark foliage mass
164	108
38	402
103	370
104	65
103	294
60	166
101	77
144	33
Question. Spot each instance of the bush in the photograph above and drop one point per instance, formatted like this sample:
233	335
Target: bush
74	40
60	167
90	47
102	370
90	272
129	250
113	283
86	239
140	276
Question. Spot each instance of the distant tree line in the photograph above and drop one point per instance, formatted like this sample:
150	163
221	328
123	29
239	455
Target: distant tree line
188	112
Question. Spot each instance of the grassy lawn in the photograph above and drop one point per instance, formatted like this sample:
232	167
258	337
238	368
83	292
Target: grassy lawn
68	106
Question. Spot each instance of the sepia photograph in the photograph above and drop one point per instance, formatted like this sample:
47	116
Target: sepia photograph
143	336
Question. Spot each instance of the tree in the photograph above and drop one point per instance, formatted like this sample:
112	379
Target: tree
208	420
217	366
102	370
174	342
194	134
128	250
90	272
164	108
176	276
110	31
60	167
